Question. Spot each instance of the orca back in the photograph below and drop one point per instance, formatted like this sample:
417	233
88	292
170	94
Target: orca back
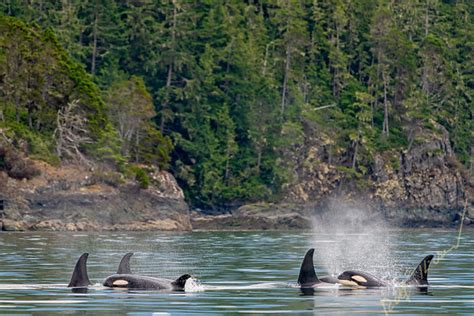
140	282
329	279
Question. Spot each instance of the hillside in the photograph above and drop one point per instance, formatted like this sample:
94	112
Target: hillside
254	101
68	161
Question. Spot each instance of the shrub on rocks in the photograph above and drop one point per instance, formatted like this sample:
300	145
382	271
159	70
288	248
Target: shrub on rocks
15	165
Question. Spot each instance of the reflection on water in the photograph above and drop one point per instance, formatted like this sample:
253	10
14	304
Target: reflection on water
236	272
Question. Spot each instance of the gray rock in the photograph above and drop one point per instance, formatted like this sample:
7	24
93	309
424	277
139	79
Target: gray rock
62	205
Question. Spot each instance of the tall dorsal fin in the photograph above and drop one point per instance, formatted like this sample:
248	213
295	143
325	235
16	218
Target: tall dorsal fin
307	275
79	276
420	274
124	266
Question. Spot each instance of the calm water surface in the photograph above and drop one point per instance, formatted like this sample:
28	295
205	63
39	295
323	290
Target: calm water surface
237	273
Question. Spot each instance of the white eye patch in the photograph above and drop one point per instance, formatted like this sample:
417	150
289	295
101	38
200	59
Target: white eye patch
348	283
120	283
359	278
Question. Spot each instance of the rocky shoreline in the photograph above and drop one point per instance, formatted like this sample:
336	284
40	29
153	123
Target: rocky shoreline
422	186
299	217
71	198
161	214
262	216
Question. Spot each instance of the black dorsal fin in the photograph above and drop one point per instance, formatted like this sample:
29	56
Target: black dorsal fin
180	282
79	276
420	274
307	275
124	266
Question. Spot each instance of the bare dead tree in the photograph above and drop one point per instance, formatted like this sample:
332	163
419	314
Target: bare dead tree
71	133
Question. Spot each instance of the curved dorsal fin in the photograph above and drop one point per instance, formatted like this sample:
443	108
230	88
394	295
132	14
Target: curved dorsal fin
124	266
307	275
79	276
420	275
180	282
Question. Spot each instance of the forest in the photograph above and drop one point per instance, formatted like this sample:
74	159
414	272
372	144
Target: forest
216	91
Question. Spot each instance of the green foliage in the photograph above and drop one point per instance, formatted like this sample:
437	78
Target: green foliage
154	148
239	86
39	146
39	79
350	172
131	111
395	162
107	148
141	176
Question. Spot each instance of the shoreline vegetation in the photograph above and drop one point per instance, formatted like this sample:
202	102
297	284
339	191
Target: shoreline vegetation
178	115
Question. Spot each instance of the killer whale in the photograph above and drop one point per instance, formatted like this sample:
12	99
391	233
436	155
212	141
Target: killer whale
139	282
418	278
308	279
124	278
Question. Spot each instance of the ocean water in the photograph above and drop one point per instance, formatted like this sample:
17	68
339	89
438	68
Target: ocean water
237	272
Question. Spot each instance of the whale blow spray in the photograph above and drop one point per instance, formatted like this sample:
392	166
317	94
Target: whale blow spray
351	236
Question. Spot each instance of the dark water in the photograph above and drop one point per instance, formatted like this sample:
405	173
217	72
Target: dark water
237	272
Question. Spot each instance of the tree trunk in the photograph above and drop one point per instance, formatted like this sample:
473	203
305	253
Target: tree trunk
472	161
17	107
169	76
137	144
29	102
427	20
305	90
376	86
94	44
335	83
30	116
354	159
330	154
373	103
259	159
264	70
227	169
164	105
385	129
285	80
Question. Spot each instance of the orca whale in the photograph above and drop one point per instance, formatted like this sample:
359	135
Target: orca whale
308	278
124	278
418	278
